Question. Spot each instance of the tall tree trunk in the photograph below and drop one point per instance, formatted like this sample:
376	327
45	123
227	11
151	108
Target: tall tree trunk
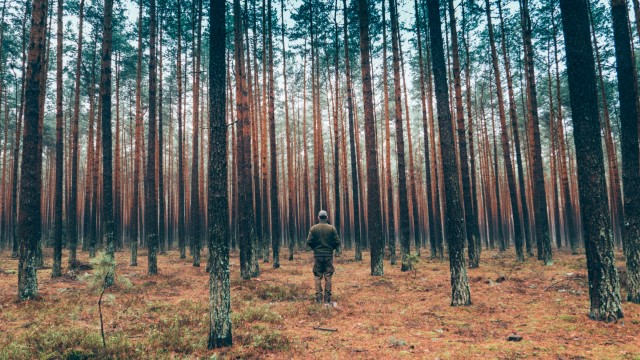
628	95
117	189
19	133
472	218
275	210
218	224
455	225
107	149
57	241
181	195
290	147
374	223
403	197
612	158
535	149
506	148
195	193
352	142
425	128
337	220
135	211
151	197
160	150
462	137
389	182
604	286
29	221
246	221
570	228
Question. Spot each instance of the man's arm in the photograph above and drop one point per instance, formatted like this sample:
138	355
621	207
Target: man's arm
336	239
310	239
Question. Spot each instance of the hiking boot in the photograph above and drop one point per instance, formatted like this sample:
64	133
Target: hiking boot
327	297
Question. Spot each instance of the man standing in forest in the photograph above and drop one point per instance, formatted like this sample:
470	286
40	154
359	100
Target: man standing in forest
323	239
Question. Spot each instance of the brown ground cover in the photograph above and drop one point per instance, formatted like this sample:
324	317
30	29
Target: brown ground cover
399	315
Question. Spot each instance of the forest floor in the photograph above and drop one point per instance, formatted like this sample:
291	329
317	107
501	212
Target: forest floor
398	315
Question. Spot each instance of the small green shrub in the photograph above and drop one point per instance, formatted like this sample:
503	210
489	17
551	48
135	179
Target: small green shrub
396	342
410	262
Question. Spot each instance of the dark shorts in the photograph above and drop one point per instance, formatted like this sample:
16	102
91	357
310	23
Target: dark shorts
323	266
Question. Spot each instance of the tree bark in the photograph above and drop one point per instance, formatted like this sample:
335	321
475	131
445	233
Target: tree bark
107	149
374	223
246	221
57	242
355	186
535	149
29	220
218	224
604	286
151	196
455	225
628	94
275	210
403	197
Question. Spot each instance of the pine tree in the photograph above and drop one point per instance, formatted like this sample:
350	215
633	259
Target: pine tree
374	228
57	242
455	226
29	221
628	95
604	286
151	196
107	150
218	224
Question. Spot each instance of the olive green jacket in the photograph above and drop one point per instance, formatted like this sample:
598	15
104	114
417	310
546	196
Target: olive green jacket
323	239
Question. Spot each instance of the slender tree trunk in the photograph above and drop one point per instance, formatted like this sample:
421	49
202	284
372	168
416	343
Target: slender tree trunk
374	223
604	286
337	148
29	221
275	210
628	94
565	190
181	190
135	224
612	158
160	151
403	197
506	148
472	218
57	242
425	127
72	224
151	197
218	224
455	226
535	149
107	150
389	189
246	221
355	186
195	193
462	138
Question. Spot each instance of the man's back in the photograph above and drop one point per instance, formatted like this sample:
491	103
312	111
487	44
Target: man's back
323	239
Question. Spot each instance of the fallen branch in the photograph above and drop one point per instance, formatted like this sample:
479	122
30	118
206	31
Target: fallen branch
324	329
